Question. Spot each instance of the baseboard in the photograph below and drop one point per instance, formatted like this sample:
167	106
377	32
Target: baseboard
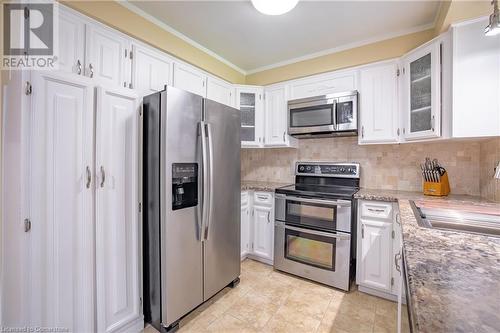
378	293
135	326
262	260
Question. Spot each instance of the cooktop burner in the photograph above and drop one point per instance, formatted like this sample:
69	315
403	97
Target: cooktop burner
324	179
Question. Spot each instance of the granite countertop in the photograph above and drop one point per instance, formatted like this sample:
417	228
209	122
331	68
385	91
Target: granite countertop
453	277
261	186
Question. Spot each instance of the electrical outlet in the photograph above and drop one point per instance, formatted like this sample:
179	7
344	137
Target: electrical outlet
497	171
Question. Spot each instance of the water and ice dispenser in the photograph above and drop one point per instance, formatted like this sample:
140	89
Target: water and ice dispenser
184	185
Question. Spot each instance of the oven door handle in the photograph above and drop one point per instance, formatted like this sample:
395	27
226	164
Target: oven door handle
319	233
345	203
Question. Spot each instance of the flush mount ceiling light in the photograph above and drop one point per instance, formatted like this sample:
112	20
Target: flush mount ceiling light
494	27
274	7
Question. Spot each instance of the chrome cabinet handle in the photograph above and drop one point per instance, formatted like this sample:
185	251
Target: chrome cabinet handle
89	177
284	136
362	131
398	219
432	123
91	69
103	176
261	197
397	257
79	67
268	218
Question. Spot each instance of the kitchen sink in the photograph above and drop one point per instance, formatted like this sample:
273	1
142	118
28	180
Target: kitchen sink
456	219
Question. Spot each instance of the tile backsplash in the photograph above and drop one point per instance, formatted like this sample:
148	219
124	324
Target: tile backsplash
490	156
393	167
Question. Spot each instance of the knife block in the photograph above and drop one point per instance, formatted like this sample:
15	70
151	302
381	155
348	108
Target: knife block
441	188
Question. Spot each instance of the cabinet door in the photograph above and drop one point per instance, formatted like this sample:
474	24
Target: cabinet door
117	215
275	111
71	43
220	91
250	102
151	70
476	81
379	104
376	254
323	85
106	56
245	230
422	93
263	235
61	202
190	79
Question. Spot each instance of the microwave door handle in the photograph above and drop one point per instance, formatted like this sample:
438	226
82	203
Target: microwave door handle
319	233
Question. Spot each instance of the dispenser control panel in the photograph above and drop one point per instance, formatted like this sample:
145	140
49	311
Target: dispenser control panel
184	185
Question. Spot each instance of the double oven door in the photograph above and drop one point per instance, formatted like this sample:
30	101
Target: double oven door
312	238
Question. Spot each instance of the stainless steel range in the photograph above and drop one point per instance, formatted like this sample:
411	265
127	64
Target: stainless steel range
314	229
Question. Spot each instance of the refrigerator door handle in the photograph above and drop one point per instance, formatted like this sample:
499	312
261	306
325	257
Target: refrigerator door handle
204	167
210	179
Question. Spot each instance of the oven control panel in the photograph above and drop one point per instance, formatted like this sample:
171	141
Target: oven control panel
325	169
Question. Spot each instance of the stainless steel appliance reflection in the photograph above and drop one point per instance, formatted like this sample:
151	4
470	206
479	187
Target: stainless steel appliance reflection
324	116
314	233
192	203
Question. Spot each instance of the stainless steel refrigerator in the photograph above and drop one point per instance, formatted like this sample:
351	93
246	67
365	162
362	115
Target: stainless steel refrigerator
191	195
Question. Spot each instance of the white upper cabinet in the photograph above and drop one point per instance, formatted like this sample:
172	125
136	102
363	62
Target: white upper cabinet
220	91
250	102
151	70
190	79
476	81
276	126
117	212
276	108
107	56
378	97
71	57
323	84
421	92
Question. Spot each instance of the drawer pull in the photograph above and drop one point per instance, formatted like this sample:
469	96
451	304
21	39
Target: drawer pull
376	210
262	197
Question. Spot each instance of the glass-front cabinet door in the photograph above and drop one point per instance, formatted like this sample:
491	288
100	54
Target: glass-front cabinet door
250	102
422	93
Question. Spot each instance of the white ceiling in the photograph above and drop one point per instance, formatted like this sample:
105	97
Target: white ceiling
251	41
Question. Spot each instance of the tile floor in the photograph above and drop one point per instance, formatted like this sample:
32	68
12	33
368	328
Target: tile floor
270	301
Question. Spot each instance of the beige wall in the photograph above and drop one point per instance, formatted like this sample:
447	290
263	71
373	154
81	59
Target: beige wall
387	49
456	11
120	18
489	157
394	167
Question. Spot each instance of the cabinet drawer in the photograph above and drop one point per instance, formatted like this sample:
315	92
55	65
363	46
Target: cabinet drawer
376	209
263	198
322	86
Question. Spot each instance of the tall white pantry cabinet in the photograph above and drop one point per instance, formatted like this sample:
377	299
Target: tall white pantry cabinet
80	264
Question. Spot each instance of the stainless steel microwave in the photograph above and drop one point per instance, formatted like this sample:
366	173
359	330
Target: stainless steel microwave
324	116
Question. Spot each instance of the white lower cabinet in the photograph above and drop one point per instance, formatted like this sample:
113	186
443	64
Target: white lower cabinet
83	204
378	244
245	225
257	226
